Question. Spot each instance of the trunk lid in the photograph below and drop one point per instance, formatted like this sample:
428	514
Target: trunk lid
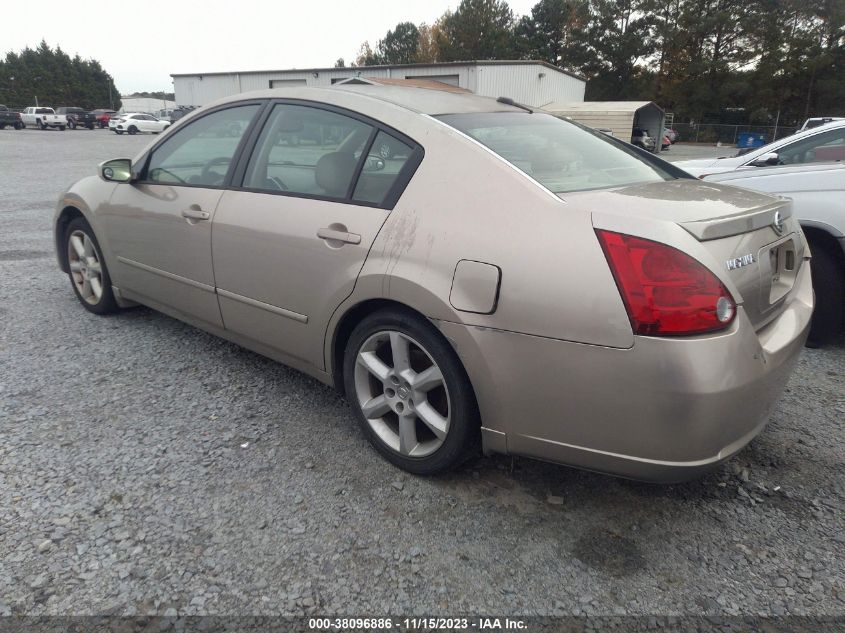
752	238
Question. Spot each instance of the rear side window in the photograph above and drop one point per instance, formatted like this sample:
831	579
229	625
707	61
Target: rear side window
306	150
558	154
383	166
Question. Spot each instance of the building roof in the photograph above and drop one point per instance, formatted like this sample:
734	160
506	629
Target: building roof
431	84
483	62
598	106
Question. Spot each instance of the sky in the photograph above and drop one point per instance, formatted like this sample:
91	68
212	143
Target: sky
142	43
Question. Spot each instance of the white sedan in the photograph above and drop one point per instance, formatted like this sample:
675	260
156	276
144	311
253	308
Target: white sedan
134	123
817	190
822	144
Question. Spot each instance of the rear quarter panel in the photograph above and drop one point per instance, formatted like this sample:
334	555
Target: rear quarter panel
465	203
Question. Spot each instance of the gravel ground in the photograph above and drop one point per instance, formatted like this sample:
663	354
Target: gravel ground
149	468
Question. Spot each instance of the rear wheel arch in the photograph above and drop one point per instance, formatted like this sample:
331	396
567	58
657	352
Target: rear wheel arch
817	237
828	283
349	321
343	330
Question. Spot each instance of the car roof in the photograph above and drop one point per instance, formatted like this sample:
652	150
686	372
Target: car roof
417	99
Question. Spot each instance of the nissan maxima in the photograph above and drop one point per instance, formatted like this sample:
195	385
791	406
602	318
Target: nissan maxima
471	273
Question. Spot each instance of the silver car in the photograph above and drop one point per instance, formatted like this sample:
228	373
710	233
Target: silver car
470	273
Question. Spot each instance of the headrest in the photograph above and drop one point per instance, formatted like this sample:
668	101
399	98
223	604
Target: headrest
333	172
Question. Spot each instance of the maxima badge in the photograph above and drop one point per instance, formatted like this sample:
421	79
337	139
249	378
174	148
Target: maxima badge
739	262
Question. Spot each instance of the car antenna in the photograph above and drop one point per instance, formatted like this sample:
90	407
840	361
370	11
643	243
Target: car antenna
511	102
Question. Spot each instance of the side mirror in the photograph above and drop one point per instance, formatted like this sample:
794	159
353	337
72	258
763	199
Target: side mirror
374	163
766	160
117	170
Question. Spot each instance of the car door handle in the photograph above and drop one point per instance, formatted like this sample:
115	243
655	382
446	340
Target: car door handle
338	236
195	213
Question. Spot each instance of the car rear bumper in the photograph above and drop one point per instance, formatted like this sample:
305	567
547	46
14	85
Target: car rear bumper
665	410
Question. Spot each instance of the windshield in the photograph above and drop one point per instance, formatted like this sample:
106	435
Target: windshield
560	155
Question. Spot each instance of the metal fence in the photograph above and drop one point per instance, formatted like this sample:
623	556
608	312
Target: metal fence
727	134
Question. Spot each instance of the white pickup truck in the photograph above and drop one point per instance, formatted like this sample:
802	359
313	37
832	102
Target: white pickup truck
43	118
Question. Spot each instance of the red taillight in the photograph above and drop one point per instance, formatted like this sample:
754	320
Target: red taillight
666	292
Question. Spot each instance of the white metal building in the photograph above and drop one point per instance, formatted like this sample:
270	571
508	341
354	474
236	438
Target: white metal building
145	104
530	82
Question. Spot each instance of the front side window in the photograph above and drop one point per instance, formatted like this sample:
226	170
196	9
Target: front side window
202	151
558	154
818	148
307	150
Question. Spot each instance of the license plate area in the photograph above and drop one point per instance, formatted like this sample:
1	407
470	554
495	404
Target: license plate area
782	269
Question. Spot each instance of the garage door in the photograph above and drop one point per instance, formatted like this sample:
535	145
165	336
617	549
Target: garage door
286	83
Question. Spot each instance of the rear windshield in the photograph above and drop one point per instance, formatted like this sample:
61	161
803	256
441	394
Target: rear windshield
560	155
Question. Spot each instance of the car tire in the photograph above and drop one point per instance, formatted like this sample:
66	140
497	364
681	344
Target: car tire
426	420
118	132
132	130
87	271
62	127
41	125
829	287
19	125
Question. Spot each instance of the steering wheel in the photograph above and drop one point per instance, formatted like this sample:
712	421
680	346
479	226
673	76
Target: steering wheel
206	170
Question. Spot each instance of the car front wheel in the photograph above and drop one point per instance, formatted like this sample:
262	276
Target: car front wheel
410	393
88	274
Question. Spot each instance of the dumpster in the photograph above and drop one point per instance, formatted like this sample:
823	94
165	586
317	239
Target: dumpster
751	139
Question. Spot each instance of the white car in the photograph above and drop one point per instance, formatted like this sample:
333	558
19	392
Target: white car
819	120
818	194
137	122
825	143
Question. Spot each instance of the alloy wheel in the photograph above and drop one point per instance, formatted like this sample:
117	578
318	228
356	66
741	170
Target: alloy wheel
402	394
85	267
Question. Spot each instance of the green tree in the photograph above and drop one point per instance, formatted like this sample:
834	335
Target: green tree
478	29
619	41
556	32
55	79
400	45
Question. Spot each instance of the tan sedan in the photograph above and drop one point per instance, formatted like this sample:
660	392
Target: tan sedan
469	272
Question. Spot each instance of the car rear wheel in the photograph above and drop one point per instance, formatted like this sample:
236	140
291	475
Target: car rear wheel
829	287
411	395
88	274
